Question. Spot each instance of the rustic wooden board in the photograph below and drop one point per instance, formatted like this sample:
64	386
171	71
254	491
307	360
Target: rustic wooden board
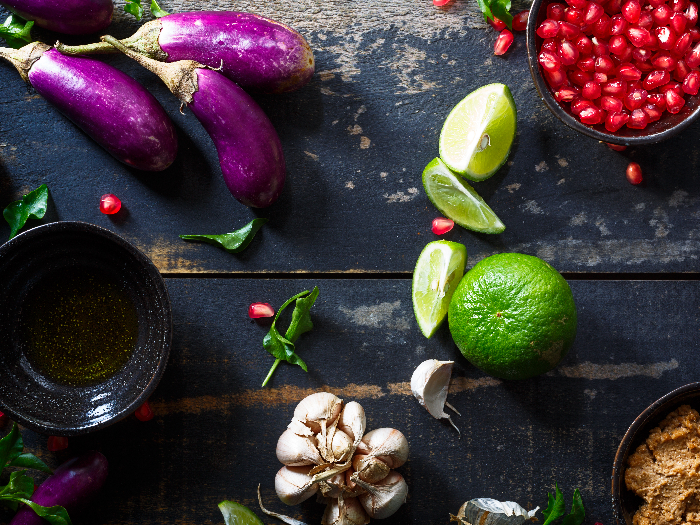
356	140
215	429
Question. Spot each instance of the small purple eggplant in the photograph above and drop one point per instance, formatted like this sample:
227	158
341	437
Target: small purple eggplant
250	153
256	53
71	17
72	486
110	106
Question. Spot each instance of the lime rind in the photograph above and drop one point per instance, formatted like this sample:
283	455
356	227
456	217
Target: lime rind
479	131
237	514
457	200
438	271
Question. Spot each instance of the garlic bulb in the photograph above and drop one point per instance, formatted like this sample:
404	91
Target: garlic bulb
294	450
384	497
386	444
293	485
429	384
318	411
344	511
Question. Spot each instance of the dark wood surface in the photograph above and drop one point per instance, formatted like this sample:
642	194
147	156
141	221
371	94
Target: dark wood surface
352	219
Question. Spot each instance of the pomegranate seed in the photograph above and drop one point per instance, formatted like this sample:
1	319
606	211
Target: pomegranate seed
591	91
631	11
601	28
548	28
586	63
674	101
579	78
662	15
628	72
549	61
591	115
645	20
618	25
641	54
573	16
644	67
655	3
691	14
604	64
584	45
615	88
615	121
550	45
579	104
638	119
258	310
519	22
634	173
656	78
672	86
600	47
658	99
635	99
666	37
440	3
144	412
441	226
3	419
577	4
678	6
637	35
568	31
498	25
679	23
592	13
618	44
565	94
56	443
613	7
663	60
614	147
110	204
555	11
568	54
600	78
695	33
683	44
503	42
611	104
555	78
653	113
626	56
653	43
692	59
691	84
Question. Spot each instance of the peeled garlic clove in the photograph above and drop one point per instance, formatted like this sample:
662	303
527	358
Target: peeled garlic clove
294	450
293	485
318	410
369	468
430	383
384	497
352	421
387	444
344	512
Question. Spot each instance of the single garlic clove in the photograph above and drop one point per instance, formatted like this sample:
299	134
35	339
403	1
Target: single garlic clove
352	421
387	444
293	485
294	450
333	487
346	511
318	410
384	497
430	383
341	445
369	468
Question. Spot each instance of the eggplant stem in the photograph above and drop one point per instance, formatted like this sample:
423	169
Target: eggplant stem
86	49
144	41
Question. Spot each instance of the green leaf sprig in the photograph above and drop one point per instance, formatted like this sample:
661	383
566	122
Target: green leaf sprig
134	7
16	31
20	486
233	242
282	348
556	508
31	206
496	8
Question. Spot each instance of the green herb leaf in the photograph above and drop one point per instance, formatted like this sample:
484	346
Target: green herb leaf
31	206
233	242
133	7
16	31
555	506
301	318
11	446
28	460
20	486
501	10
55	515
578	513
485	9
157	11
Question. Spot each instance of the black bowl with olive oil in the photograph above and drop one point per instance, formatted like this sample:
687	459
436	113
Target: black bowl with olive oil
85	328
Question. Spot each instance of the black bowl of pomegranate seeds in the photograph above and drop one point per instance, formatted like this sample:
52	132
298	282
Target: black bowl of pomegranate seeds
620	71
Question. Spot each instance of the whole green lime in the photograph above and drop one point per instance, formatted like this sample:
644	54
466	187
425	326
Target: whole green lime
513	316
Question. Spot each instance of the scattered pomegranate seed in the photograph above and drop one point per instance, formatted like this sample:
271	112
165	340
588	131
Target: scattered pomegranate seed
615	147
519	22
441	225
56	443
503	42
144	412
258	310
110	204
3	419
440	3
634	173
498	25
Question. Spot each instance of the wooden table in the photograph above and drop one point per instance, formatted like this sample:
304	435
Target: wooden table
352	220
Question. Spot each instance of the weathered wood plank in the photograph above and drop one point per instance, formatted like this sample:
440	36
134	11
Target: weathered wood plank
215	429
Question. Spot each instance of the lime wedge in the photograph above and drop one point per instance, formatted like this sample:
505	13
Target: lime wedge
478	133
237	514
438	271
457	200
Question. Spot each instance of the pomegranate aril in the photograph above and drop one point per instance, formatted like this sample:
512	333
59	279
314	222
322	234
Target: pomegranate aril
683	44
549	61
442	225
591	115
548	28
656	78
584	44
579	78
586	63
604	64
678	23
644	67
691	84
568	31
600	78
601	28
613	7
519	22
614	147
615	88
645	20
568	54
674	101
618	25
615	121
663	60
555	11
56	443
591	90
259	310
618	44
110	204
635	98
653	43
592	13
638	36
638	119
641	54
692	59
631	11
550	45
579	104
565	94
628	72
144	412
653	113
578	4
600	47
666	37
634	173
672	86
573	16
678	6
662	15
611	104
691	14
695	33
555	78
625	57
498	25
503	42
658	99
655	3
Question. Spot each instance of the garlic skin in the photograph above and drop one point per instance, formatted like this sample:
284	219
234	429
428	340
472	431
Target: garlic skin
387	444
341	445
344	511
293	485
430	383
384	497
333	487
318	411
352	421
294	450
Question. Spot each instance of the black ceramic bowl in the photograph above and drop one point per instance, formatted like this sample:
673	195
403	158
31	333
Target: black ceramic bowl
625	503
35	258
657	131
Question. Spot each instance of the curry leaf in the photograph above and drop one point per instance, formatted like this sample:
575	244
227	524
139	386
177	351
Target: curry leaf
555	506
501	10
157	11
55	515
31	206
20	486
578	513
233	242
16	31
134	7
11	446
27	460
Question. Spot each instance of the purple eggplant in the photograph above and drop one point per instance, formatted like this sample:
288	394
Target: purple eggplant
110	106
72	485
250	153
71	17
256	53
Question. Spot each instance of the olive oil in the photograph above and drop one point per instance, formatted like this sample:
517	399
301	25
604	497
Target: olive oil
79	327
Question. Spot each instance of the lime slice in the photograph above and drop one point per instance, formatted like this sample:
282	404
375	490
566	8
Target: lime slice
438	271
457	200
237	514
478	133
